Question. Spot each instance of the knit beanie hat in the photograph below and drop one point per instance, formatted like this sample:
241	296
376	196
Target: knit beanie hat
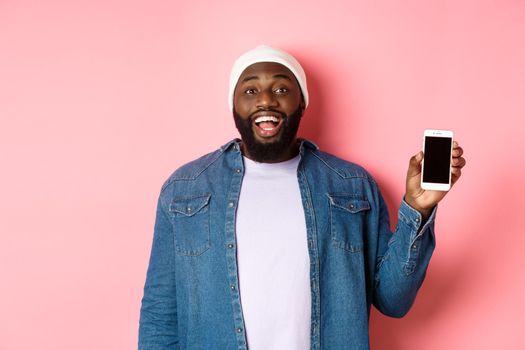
264	53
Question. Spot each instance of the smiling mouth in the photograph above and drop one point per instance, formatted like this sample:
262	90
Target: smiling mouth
267	125
267	122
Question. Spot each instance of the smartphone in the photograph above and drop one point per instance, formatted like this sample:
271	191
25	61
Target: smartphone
437	149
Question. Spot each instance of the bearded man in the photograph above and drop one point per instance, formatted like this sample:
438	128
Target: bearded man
270	243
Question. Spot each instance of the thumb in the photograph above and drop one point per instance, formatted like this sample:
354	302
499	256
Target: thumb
414	167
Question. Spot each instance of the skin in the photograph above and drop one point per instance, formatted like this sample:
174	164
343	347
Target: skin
268	86
271	86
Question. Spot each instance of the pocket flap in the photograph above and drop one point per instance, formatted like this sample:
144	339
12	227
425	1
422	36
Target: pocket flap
351	204
190	205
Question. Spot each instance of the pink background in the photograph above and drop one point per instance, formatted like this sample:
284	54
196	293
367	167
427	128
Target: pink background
101	100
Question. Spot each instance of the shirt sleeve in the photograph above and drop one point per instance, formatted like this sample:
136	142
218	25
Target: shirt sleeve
158	313
402	257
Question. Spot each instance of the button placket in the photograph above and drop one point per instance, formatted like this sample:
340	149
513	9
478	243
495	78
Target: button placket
230	244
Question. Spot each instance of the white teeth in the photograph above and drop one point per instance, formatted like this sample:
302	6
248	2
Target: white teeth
266	118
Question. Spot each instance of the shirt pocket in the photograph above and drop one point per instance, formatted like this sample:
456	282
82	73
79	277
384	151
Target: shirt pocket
191	224
348	221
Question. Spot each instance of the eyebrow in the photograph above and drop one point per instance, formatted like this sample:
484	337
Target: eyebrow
254	77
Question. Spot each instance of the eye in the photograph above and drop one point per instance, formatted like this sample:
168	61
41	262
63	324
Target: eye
250	91
281	90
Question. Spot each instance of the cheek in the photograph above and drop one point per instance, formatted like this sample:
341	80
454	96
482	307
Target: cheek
242	106
291	103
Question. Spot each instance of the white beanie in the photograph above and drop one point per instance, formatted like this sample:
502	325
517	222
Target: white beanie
264	53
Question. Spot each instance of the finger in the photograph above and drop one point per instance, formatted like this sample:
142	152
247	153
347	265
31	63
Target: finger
458	162
455	171
414	166
456	174
457	152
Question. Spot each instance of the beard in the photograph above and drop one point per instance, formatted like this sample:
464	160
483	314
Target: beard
268	152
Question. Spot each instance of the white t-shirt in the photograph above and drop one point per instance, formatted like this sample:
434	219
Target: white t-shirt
272	256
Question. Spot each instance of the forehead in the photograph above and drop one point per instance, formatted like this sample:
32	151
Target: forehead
265	70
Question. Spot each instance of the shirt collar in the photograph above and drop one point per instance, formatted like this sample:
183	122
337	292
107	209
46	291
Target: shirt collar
306	143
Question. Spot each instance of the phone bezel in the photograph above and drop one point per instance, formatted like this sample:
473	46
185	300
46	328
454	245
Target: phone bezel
432	185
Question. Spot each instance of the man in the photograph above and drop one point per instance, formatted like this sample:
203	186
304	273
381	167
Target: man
269	243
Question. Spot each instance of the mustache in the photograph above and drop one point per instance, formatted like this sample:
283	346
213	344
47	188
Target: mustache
282	114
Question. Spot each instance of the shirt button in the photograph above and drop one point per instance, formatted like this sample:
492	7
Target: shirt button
237	170
232	287
188	209
230	204
417	219
230	245
239	330
414	246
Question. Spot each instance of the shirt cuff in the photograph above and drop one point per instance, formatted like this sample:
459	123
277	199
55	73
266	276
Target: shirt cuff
413	218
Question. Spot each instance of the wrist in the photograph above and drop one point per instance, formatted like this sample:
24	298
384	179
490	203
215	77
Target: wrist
425	212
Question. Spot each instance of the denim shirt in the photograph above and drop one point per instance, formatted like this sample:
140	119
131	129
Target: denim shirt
191	297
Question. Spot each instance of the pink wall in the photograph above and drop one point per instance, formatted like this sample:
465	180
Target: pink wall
101	100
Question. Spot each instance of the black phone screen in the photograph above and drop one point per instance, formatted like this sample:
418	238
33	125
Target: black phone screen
437	159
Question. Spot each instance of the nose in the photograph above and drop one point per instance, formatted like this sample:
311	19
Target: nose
267	99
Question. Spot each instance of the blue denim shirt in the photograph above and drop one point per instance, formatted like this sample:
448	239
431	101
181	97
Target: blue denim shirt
191	297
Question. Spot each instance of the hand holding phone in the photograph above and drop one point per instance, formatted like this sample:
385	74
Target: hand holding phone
433	171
